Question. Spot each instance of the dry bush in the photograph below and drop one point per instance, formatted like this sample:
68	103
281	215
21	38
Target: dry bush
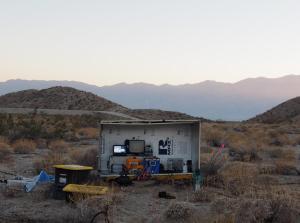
296	140
202	195
267	169
85	157
276	153
285	167
279	139
224	205
272	204
46	162
88	133
283	153
239	177
5	151
179	211
225	218
213	137
24	146
252	211
88	208
58	146
244	151
206	149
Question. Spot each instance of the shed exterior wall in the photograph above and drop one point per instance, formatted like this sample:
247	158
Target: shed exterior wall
184	141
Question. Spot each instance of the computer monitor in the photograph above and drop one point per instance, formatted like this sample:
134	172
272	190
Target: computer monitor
136	146
119	150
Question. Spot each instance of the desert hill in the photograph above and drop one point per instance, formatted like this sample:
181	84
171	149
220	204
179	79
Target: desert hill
288	111
214	100
67	98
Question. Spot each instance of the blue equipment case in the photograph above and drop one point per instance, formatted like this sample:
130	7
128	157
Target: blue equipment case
152	165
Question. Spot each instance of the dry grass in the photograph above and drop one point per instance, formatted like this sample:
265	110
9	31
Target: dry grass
47	162
24	146
239	177
285	167
58	146
85	157
87	133
5	151
179	211
283	153
202	195
213	136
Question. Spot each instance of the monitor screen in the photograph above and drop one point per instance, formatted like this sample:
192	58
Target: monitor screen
119	149
136	146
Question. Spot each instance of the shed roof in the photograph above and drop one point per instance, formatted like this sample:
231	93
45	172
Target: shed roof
149	122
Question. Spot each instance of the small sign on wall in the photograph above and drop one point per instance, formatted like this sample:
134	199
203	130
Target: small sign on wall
165	146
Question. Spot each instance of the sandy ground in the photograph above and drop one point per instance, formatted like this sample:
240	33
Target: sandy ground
136	203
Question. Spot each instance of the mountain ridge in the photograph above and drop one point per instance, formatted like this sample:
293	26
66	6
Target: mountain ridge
214	100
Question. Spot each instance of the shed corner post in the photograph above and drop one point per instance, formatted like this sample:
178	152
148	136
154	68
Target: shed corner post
100	149
199	146
197	175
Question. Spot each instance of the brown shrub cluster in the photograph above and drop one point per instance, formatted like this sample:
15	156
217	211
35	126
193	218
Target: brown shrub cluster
5	151
213	136
24	146
85	157
179	211
202	195
58	146
52	158
87	133
239	177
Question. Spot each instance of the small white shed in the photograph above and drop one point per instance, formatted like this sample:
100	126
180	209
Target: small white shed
175	142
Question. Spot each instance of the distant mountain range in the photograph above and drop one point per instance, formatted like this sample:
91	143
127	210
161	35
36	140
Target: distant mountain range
214	100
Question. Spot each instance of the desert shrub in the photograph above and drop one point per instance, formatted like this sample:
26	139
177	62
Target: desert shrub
278	139
210	168
276	153
202	195
296	140
225	218
206	149
239	177
88	133
47	161
244	155
85	157
277	205
283	153
252	211
283	209
24	146
267	169
179	211
58	146
213	137
5	151
244	151
286	167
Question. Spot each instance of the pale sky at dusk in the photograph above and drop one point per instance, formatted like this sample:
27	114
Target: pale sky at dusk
154	41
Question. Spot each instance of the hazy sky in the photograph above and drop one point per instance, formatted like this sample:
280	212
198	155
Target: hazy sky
155	41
